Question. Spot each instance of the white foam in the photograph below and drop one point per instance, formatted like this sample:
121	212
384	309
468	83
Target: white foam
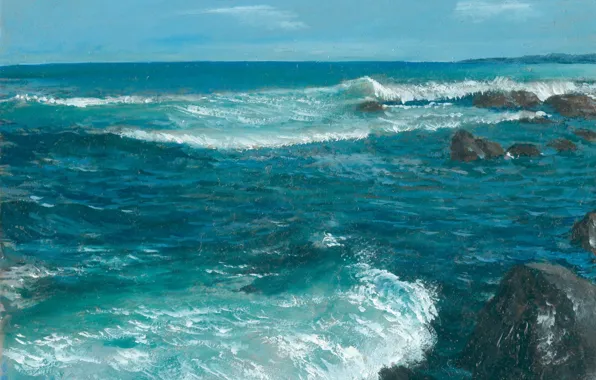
83	102
243	142
320	334
433	91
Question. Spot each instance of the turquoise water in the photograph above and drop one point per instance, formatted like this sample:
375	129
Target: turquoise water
245	221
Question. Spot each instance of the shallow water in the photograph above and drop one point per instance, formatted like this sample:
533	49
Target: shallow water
138	200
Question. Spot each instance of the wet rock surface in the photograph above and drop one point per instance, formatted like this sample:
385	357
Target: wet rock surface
523	150
512	99
539	325
573	105
467	147
584	233
563	145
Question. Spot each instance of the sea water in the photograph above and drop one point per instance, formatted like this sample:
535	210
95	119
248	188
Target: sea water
247	221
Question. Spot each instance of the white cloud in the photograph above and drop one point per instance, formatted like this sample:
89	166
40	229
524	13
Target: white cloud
482	10
264	16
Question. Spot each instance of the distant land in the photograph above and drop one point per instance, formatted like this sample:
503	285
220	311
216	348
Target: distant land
530	59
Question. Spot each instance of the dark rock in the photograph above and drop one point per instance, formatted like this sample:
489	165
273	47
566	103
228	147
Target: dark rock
402	373
539	325
586	134
512	99
248	289
371	106
466	147
584	232
523	150
573	105
562	145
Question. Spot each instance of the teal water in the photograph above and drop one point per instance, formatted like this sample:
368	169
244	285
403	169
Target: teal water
245	221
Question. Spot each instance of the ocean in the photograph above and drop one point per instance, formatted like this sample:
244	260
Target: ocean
248	221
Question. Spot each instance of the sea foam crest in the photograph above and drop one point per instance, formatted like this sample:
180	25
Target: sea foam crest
432	91
81	102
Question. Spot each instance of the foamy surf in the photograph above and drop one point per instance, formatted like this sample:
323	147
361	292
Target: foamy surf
204	131
379	321
350	90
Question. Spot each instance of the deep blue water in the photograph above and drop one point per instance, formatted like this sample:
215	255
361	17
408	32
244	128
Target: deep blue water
139	199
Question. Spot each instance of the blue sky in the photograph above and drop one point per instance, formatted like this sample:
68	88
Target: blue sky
41	31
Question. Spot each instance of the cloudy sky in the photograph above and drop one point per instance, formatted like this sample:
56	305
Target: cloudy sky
40	31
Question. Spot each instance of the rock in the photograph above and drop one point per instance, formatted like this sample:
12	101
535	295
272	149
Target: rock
562	145
584	232
573	105
586	134
523	150
371	106
402	373
539	325
512	99
466	147
535	120
248	289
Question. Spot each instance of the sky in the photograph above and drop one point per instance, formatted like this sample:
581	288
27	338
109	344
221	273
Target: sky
48	31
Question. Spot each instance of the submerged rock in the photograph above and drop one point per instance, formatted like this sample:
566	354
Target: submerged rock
584	233
573	105
249	289
523	150
540	325
562	145
402	373
466	147
512	99
586	134
371	106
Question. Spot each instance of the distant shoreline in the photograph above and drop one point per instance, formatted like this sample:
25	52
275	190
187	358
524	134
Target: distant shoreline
528	59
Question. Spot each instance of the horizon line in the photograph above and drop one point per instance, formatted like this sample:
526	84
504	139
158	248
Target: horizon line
467	60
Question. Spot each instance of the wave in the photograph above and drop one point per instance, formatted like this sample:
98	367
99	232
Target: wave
81	102
238	138
379	321
360	88
436	91
245	142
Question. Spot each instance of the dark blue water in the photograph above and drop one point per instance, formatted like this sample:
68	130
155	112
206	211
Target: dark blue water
245	221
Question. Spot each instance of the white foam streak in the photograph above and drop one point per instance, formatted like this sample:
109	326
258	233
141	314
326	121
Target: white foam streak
83	102
243	142
433	91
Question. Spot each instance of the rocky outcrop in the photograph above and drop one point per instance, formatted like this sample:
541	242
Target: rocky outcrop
562	145
402	373
573	105
586	134
371	106
512	99
466	147
584	233
540	325
523	150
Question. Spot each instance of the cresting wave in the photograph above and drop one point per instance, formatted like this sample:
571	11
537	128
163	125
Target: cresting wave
238	138
364	87
433	91
379	321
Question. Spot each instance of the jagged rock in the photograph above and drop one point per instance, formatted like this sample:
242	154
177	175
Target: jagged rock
573	105
523	150
584	233
540	325
562	145
586	134
402	373
371	106
466	147
512	99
